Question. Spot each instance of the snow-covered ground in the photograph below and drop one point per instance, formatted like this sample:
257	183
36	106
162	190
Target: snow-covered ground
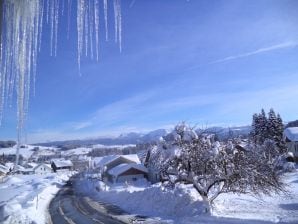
27	150
183	204
86	150
25	198
278	208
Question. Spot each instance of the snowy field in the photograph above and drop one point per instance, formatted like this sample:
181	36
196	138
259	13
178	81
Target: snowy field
28	150
183	204
25	198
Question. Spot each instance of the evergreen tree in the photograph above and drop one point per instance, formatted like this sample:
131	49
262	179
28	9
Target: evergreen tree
263	130
268	128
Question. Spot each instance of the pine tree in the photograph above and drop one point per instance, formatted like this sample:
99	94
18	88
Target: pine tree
272	125
268	128
262	126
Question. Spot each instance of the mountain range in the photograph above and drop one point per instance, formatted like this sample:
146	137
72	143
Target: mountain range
138	138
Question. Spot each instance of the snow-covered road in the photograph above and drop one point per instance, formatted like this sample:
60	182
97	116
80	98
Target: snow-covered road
70	207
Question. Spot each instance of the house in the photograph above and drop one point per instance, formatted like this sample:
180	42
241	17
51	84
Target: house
108	162
127	172
3	170
22	170
116	168
291	139
61	164
42	168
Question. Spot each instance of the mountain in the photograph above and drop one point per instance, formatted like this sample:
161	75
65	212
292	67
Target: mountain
224	133
123	139
153	136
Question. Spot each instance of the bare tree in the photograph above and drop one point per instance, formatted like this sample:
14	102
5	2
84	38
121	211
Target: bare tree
214	169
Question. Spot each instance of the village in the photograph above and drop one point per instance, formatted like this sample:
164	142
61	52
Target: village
110	168
108	173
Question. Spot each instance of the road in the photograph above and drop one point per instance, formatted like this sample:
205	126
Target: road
69	207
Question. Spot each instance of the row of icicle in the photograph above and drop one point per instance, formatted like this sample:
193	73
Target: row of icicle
21	24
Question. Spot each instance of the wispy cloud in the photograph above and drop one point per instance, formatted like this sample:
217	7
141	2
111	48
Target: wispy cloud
288	44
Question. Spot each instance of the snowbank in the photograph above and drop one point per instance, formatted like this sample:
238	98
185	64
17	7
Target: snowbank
143	199
25	198
183	204
278	208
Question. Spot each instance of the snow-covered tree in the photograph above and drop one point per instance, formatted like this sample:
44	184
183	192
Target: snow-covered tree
213	168
268	128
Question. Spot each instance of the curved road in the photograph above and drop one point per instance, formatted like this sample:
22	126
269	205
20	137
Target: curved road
69	207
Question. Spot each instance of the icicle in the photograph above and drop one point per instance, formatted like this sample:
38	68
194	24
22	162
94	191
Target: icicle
48	10
91	25
52	15
62	10
40	24
105	6
80	30
69	17
86	23
96	23
118	23
56	14
20	41
116	19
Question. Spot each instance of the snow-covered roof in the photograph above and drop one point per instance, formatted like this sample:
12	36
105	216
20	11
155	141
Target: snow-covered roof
43	164
103	161
4	169
116	171
62	163
291	133
32	165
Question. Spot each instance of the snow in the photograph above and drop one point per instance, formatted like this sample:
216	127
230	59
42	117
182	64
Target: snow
278	208
184	205
4	169
103	161
28	150
76	151
25	198
62	163
116	171
291	133
25	152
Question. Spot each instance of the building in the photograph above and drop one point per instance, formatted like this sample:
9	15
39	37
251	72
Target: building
42	168
127	173
22	170
291	139
3	170
120	168
61	164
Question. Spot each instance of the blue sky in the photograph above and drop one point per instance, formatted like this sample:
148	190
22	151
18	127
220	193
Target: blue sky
204	62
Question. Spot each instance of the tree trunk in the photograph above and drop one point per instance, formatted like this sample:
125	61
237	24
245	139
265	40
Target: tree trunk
207	205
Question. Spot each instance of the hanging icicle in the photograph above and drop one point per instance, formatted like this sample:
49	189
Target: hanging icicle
20	43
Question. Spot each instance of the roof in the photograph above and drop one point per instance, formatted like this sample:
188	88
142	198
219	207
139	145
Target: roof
103	161
291	133
62	163
43	164
116	171
4	169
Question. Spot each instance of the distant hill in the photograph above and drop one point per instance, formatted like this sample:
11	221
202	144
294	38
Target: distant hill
123	139
224	133
138	138
7	144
